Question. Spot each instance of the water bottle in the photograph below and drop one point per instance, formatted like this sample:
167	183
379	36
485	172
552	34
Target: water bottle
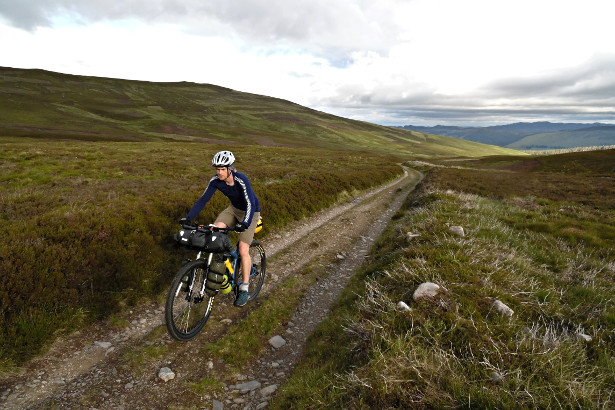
226	286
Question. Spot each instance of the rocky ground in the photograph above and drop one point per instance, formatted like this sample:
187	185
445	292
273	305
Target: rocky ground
99	367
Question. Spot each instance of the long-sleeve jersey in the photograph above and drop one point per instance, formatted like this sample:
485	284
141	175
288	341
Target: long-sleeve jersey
241	195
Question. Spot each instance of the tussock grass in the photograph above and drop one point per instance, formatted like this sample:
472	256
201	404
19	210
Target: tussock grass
456	350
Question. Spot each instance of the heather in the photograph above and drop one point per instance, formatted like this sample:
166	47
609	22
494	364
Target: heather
88	226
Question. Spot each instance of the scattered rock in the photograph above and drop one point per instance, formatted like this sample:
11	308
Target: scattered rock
411	235
583	337
497	376
404	307
104	345
457	230
247	387
426	290
262	405
277	342
269	390
166	374
502	308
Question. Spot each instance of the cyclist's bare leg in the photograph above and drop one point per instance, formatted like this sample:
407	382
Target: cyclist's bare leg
244	252
246	261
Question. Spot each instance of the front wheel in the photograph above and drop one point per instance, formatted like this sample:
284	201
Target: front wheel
259	267
188	307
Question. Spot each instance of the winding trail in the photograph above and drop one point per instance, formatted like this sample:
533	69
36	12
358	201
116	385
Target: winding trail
88	368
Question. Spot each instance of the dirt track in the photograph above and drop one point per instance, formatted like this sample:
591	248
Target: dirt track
88	370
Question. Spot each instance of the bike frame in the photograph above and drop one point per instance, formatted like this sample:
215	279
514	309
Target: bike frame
234	259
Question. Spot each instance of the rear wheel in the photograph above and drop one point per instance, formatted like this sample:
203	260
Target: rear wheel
259	266
187	309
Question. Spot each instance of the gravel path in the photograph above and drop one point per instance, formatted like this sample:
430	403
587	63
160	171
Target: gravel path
88	368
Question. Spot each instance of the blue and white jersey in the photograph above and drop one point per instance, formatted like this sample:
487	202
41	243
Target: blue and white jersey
240	194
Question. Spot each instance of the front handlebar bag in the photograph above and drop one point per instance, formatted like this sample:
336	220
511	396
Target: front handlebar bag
207	241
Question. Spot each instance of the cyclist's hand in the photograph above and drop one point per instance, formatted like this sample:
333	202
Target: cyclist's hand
240	227
185	221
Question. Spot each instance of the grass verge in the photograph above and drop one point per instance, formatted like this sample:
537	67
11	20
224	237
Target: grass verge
456	349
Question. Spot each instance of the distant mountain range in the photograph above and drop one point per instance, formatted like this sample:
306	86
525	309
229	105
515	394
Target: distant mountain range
530	135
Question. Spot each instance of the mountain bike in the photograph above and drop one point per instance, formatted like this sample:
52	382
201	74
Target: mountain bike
216	270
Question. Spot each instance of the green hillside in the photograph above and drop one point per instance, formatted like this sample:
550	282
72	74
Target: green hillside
49	105
585	137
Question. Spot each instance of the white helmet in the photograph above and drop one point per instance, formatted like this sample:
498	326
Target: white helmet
223	159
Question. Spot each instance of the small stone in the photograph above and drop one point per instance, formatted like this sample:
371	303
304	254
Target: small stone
226	321
404	307
166	374
583	337
497	376
411	235
502	308
269	390
340	257
104	345
425	290
217	405
129	385
262	405
249	386
277	342
457	230
210	365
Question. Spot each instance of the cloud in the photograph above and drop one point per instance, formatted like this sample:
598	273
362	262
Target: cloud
331	28
390	61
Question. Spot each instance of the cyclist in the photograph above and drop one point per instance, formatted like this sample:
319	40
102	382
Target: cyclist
242	214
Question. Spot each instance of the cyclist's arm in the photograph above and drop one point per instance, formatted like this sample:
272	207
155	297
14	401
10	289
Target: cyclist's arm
250	198
202	201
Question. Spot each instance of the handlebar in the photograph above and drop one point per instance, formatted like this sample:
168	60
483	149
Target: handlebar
205	228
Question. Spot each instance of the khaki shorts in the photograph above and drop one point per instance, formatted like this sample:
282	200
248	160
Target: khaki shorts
231	216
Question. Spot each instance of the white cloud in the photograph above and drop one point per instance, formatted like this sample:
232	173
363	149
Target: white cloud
391	61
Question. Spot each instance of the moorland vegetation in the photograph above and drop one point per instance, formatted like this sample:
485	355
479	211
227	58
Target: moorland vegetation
90	223
539	237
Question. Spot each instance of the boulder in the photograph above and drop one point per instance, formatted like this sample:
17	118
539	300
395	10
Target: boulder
502	308
277	342
166	374
426	290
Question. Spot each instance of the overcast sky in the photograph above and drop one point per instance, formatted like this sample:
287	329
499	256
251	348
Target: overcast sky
391	62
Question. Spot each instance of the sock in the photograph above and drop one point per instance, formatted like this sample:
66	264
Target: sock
244	287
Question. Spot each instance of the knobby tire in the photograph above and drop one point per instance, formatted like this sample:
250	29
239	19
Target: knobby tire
186	311
257	254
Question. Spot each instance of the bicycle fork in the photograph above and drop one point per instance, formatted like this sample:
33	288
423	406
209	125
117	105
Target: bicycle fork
193	278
